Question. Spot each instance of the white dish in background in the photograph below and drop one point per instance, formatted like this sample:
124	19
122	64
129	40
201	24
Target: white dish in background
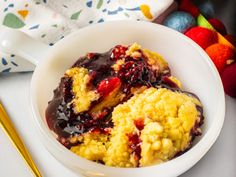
187	60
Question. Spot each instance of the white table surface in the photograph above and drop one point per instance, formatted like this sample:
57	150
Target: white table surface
220	161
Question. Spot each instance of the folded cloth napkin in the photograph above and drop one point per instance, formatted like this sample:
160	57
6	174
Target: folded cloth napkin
51	20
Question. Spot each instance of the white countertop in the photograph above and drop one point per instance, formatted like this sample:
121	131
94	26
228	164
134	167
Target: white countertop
14	93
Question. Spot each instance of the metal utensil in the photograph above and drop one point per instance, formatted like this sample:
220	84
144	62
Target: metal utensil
10	130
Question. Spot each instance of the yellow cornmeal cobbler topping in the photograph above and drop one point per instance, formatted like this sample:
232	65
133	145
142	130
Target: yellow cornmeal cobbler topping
155	60
168	119
123	108
176	81
83	96
118	64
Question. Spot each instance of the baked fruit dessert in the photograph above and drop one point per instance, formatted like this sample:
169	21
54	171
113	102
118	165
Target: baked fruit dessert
123	108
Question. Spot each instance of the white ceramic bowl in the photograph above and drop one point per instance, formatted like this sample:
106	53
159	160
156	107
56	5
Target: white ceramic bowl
187	61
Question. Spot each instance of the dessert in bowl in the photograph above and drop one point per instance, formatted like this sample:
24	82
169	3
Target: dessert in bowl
123	108
188	62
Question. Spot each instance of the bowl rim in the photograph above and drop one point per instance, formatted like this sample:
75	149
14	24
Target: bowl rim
200	149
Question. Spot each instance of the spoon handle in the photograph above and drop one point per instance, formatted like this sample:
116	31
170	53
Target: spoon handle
10	130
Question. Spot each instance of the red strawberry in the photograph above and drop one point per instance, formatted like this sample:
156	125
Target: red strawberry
106	86
220	53
118	52
218	25
188	6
